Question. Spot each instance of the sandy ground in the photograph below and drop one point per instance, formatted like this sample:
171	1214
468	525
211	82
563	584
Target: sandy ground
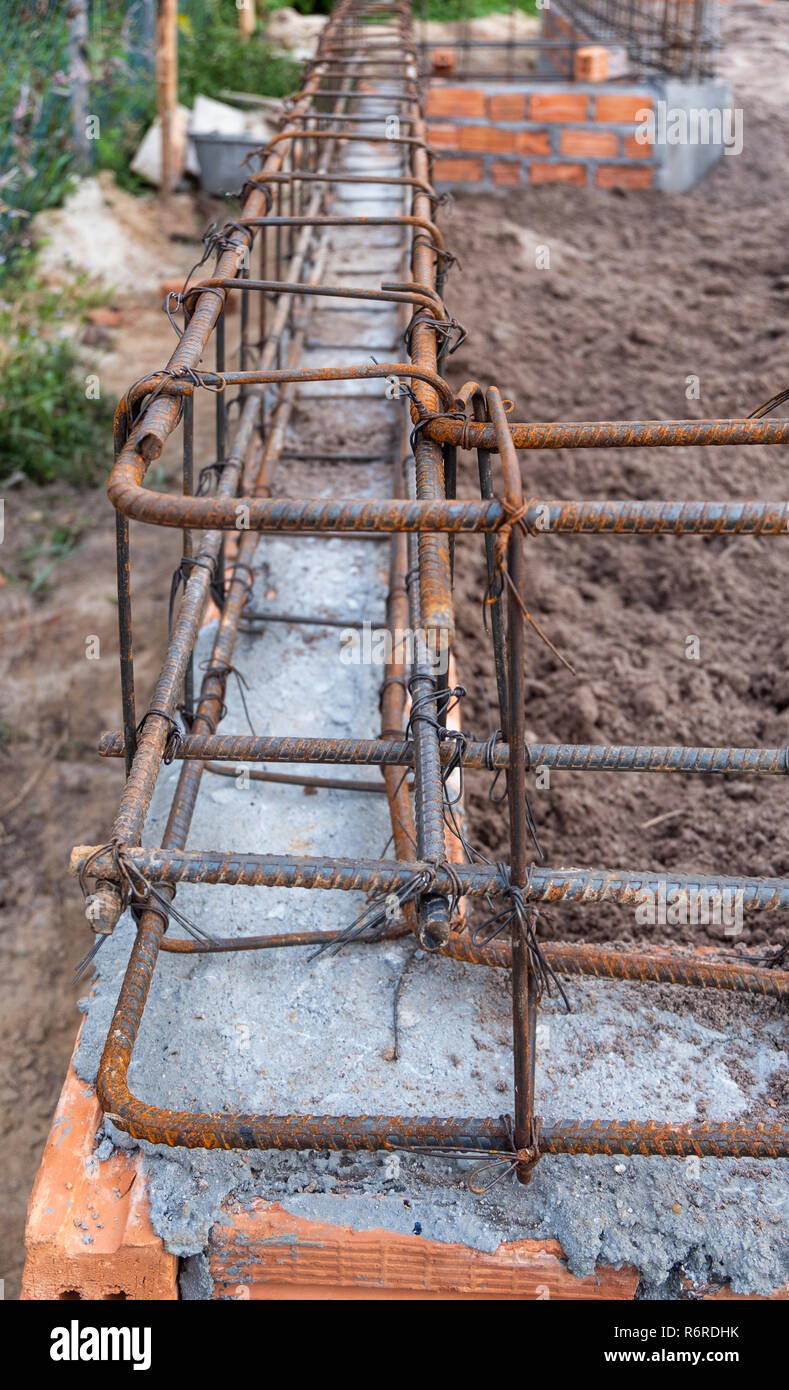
644	290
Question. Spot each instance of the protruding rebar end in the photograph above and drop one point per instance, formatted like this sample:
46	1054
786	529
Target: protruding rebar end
104	906
434	925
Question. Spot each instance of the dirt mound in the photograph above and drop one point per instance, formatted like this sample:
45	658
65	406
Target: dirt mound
118	238
644	292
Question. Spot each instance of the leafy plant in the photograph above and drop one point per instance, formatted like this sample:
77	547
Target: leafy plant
447	11
48	427
33	109
212	59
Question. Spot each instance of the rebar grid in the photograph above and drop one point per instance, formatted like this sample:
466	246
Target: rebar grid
284	214
680	37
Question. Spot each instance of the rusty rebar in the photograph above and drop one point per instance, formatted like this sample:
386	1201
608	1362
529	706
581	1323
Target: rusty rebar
283	209
493	757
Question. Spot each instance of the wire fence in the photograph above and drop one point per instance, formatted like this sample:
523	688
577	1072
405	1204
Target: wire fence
675	37
53	72
78	89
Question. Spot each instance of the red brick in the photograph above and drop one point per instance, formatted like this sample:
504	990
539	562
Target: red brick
634	149
105	316
591	64
558	106
589	143
623	176
467	102
507	106
506	171
533	142
558	173
72	1194
623	109
443	137
443	62
458	170
487	138
259	1251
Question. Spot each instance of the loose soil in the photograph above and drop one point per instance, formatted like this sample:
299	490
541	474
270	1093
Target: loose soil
644	292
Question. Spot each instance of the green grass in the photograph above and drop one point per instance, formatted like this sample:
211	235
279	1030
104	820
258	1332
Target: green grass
444	10
450	10
63	541
49	429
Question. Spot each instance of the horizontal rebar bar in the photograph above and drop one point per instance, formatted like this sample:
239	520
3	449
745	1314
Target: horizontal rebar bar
564	757
382	876
613	434
342	784
622	517
687	969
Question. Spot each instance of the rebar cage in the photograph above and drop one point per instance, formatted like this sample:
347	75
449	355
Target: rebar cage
365	70
676	38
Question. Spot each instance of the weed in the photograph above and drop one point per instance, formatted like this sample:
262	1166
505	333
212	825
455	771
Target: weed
63	541
49	429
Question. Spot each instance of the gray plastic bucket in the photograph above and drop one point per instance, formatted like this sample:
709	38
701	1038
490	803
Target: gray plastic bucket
221	159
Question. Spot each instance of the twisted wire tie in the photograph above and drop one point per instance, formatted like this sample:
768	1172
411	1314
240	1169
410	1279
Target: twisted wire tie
180	577
448	257
220	671
505	1159
175	738
515	514
208	471
131	881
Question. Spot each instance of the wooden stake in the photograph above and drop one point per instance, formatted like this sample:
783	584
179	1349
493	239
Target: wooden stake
79	81
246	17
167	85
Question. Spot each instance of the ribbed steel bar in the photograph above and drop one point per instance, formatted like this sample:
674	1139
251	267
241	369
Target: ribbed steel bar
378	876
614	434
248	1130
394	752
393	694
430	592
687	968
524	980
617	516
342	784
690	970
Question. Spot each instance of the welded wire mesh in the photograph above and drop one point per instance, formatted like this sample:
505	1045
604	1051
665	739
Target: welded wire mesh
675	37
501	44
679	37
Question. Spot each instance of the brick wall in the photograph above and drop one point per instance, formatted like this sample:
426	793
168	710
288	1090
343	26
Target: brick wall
583	134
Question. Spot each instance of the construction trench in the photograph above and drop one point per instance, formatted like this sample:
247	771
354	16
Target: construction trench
336	258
